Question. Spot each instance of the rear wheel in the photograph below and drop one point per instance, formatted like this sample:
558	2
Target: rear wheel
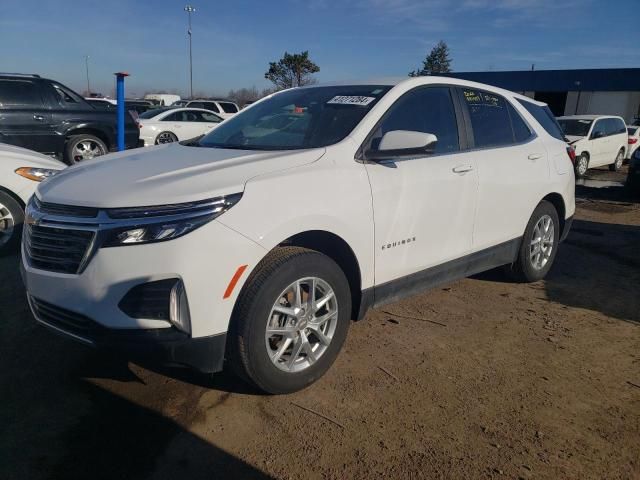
539	245
290	321
582	165
617	165
166	137
83	147
11	218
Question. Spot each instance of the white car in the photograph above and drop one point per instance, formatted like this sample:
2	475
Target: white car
224	108
598	140
634	140
261	241
20	172
171	125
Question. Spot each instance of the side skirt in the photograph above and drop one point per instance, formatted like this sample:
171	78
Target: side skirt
477	262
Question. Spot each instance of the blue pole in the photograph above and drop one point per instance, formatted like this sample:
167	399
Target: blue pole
120	112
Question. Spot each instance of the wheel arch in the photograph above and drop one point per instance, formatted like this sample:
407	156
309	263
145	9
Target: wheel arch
557	201
88	130
13	195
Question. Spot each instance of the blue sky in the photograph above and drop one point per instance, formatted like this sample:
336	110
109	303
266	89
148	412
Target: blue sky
234	40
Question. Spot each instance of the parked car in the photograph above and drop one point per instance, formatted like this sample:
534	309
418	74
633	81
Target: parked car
634	140
45	116
139	106
224	108
598	140
180	103
20	172
162	99
259	245
633	176
171	125
102	103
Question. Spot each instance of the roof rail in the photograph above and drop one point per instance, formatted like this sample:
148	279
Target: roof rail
30	75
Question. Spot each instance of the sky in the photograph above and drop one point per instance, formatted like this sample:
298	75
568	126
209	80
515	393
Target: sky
234	40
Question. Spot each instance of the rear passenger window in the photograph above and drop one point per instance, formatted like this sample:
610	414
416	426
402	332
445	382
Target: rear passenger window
229	107
18	93
521	132
427	110
489	118
544	117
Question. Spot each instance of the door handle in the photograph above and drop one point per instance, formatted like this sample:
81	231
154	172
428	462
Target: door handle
534	156
462	169
40	118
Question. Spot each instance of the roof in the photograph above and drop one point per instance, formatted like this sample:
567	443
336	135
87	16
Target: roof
596	79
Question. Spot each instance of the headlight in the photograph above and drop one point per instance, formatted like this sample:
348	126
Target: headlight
36	174
164	222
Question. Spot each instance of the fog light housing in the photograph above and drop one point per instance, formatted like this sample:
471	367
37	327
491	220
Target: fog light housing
159	300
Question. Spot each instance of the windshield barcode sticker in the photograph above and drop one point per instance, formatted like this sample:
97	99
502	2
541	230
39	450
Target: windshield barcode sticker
351	100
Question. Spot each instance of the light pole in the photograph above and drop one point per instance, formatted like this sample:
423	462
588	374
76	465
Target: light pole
86	64
189	9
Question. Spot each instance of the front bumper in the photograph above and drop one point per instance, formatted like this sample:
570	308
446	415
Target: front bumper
167	346
205	260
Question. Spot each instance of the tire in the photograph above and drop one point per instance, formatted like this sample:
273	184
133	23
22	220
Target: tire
11	219
165	137
582	165
250	346
526	268
83	147
617	164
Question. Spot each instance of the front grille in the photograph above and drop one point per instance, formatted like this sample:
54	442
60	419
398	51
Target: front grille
65	210
63	319
56	249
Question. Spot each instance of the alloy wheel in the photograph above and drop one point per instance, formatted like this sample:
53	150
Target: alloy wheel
86	150
7	225
541	245
301	324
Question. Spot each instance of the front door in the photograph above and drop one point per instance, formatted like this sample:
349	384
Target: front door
423	207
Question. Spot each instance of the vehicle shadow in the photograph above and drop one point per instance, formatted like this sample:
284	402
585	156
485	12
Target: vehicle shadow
62	419
598	268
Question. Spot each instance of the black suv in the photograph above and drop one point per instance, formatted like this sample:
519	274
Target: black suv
46	116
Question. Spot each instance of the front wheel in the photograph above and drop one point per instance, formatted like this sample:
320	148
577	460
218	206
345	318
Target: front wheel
11	218
539	245
291	320
617	165
582	165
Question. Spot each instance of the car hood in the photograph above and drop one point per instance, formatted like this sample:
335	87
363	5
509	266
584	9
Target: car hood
573	138
28	158
165	174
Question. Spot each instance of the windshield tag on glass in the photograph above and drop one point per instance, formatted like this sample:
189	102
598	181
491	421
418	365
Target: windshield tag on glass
351	100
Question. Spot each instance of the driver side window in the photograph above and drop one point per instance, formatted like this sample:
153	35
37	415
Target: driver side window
427	110
598	127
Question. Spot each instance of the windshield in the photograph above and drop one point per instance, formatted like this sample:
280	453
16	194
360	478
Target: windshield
297	119
574	127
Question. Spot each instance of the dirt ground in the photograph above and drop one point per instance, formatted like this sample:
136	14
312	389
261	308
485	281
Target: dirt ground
479	379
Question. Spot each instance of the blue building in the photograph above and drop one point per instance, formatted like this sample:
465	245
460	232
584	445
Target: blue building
606	91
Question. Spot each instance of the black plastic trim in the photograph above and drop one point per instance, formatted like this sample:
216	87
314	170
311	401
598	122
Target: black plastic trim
567	228
477	262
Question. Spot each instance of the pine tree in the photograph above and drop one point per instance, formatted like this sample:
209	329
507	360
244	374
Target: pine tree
438	61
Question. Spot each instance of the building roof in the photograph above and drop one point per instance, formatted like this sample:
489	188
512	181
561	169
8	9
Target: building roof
596	79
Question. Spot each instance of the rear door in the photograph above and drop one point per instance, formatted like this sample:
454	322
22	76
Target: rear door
25	120
513	167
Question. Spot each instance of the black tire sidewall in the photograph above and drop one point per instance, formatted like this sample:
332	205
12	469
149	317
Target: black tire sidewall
529	273
260	367
74	140
586	159
170	133
18	219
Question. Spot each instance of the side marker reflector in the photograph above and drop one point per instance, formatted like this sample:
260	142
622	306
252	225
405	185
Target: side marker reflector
234	280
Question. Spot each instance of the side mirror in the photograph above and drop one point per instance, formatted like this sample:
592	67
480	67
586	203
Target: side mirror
597	134
403	143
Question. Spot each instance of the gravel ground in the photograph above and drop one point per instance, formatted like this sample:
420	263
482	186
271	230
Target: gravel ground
479	379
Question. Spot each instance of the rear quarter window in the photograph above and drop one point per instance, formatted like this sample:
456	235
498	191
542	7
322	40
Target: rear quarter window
228	107
544	117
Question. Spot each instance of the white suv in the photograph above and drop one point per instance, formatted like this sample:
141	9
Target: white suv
260	242
598	140
223	108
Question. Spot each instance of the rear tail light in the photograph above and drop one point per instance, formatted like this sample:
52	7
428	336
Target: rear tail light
632	140
572	154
